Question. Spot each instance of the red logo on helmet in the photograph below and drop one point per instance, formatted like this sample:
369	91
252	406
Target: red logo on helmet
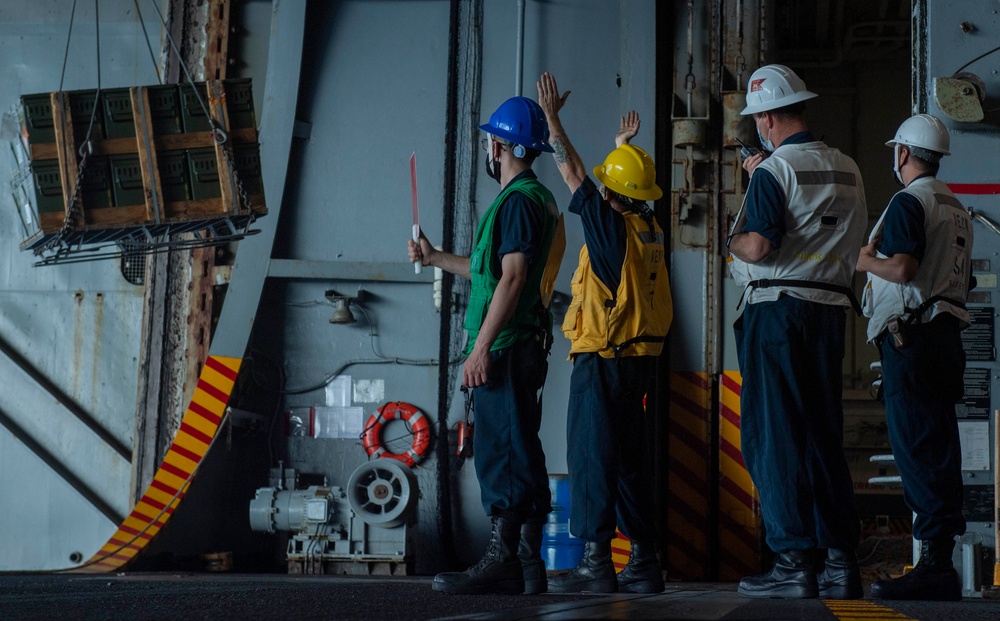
755	85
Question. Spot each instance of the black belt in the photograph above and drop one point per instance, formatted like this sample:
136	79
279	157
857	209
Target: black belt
765	283
620	347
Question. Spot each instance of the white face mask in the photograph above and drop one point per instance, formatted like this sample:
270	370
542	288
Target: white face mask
895	164
767	144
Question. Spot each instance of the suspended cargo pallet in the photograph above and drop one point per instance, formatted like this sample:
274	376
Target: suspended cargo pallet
131	166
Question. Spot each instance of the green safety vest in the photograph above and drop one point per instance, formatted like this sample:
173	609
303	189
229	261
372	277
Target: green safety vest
530	314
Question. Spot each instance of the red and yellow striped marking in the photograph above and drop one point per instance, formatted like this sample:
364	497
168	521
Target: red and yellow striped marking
621	549
861	610
689	474
171	481
739	510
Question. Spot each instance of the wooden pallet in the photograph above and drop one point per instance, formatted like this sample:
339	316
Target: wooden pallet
155	211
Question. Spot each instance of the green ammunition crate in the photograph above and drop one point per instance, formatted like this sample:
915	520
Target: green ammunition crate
192	114
38	122
174	176
204	173
36	111
165	108
246	159
48	186
81	107
239	103
117	108
36	118
127	176
95	184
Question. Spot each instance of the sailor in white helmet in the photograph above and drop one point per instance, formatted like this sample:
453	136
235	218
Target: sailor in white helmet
917	261
794	249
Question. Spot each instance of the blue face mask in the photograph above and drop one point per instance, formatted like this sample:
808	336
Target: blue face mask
767	144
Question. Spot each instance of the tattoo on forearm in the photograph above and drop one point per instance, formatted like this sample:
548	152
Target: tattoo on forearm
559	152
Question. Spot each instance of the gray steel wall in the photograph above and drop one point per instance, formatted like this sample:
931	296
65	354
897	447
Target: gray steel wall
78	325
946	50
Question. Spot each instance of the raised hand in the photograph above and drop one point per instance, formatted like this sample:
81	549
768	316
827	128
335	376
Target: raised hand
548	95
629	128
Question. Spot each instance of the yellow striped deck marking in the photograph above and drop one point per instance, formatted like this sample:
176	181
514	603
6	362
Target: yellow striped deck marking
738	518
199	423
688	476
621	549
861	610
203	416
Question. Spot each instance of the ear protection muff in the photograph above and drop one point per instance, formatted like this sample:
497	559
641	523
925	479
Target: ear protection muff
518	151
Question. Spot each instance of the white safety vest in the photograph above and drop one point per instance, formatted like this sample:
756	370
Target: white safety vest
825	221
944	270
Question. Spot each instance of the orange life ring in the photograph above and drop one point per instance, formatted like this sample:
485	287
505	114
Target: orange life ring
371	439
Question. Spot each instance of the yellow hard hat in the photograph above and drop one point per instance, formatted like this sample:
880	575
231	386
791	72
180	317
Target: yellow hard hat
629	171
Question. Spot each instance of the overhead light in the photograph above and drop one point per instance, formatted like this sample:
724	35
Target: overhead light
341	307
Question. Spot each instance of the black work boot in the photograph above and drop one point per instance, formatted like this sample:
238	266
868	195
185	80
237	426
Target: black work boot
499	571
933	579
595	573
840	578
529	551
791	577
642	574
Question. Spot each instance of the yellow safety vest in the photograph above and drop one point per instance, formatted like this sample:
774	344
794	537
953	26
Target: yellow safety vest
632	321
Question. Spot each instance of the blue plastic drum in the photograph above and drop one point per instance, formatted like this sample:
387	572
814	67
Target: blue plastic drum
560	549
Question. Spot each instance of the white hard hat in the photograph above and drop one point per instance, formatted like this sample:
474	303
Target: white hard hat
923	131
772	87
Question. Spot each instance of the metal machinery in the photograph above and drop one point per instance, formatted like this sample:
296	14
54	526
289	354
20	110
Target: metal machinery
358	529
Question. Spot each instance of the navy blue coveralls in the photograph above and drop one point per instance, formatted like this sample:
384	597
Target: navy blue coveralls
606	451
510	463
792	420
922	382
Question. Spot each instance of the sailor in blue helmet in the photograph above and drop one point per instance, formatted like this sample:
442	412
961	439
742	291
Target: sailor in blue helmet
509	329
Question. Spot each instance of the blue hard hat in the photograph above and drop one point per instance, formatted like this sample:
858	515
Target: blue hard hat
521	121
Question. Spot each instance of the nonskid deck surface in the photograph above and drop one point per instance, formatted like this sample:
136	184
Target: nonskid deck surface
260	596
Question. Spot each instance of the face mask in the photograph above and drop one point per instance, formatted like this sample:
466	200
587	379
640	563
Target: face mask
767	144
895	165
492	165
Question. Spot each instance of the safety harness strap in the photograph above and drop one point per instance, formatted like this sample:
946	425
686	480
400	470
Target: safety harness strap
620	347
765	283
916	314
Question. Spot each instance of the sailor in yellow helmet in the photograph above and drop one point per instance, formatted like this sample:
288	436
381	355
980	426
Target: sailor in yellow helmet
617	323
